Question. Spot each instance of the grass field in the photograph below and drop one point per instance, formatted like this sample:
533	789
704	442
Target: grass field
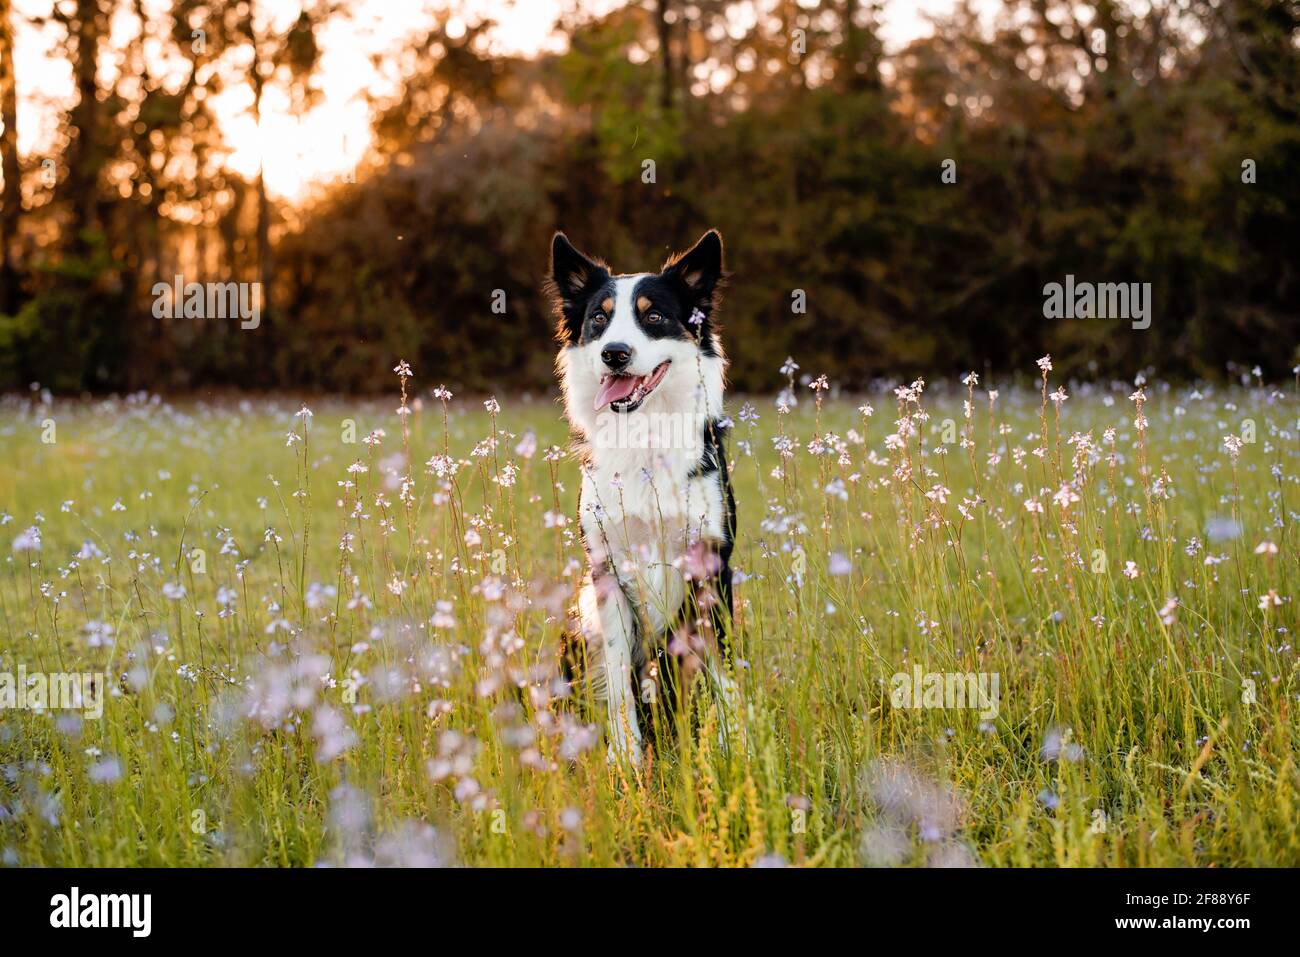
311	661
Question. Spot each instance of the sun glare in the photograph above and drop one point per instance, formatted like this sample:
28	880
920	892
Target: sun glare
304	149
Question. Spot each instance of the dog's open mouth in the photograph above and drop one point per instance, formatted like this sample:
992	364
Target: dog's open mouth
623	393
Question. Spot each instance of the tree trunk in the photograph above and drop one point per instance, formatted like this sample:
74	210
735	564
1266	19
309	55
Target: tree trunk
666	52
12	197
85	154
263	204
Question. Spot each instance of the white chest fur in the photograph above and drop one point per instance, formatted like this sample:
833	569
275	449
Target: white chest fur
641	509
641	503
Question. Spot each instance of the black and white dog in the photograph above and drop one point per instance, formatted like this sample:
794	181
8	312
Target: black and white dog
642	372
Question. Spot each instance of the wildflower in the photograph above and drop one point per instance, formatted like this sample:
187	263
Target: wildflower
1131	570
906	800
938	494
98	634
441	466
332	734
28	540
527	446
1058	744
88	551
1222	529
1065	496
107	771
403	370
1045	364
1169	613
1271	600
1266	548
442	616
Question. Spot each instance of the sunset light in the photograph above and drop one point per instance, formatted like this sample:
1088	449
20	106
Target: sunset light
301	149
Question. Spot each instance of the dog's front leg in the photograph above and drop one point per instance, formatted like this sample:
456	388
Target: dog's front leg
617	637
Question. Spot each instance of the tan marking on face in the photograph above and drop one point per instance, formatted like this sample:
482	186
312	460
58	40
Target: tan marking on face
642	303
608	305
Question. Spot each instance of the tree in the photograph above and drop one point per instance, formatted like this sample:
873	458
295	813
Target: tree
12	197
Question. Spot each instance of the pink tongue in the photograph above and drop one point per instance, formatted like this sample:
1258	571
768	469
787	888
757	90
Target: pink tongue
615	387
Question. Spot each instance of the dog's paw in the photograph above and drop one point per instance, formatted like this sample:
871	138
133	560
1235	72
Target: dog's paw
727	694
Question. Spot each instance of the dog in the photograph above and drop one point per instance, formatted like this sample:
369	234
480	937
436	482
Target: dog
642	373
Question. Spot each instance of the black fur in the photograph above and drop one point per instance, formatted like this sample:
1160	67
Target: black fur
682	302
683	295
573	280
717	587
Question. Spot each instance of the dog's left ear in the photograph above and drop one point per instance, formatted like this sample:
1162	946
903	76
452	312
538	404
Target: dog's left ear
699	269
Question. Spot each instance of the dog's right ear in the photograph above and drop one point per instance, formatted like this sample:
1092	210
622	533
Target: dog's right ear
574	276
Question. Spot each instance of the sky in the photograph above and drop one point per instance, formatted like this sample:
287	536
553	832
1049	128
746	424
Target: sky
330	139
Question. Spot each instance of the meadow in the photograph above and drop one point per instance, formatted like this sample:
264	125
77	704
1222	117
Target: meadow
329	633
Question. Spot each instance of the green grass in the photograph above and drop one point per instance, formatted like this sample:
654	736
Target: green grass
1124	735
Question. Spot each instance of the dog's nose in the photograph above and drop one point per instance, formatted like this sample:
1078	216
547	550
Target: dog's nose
616	355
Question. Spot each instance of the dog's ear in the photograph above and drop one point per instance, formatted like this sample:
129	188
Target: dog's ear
573	277
699	269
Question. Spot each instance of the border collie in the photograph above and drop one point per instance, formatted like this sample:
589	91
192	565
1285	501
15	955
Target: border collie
642	373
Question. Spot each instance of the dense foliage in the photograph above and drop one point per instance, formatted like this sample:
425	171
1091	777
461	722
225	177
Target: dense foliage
1152	143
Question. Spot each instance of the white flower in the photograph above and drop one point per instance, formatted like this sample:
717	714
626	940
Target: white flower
1270	600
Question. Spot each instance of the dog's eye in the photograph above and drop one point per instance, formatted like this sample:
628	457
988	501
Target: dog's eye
653	318
599	318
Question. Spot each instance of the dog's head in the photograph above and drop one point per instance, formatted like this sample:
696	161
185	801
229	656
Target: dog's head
642	341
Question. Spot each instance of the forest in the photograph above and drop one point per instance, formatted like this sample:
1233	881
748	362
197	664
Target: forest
885	212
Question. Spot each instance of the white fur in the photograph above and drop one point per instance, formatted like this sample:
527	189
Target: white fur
642	525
